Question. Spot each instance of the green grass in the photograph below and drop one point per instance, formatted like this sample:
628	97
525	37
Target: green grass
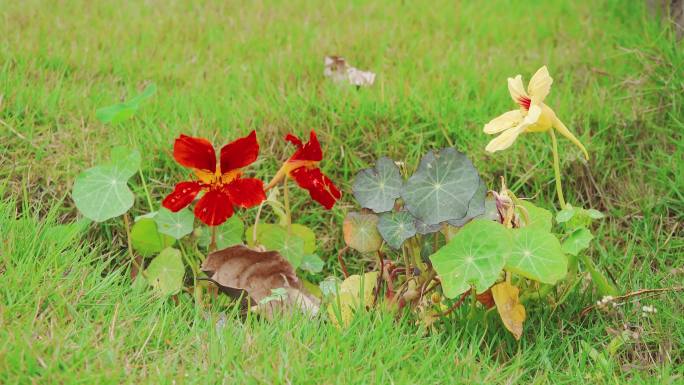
68	312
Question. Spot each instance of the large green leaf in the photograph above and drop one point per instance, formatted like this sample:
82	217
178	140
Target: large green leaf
120	112
165	272
228	233
377	188
536	216
177	225
306	234
476	206
577	241
361	232
537	254
396	227
474	257
442	187
276	237
312	263
147	240
102	192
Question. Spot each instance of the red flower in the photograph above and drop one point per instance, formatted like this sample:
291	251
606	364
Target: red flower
302	166
222	183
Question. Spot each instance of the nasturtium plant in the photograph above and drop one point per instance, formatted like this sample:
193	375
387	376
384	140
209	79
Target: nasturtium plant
276	237
476	206
121	112
229	233
474	257
442	187
312	263
295	230
361	232
146	238
396	227
165	272
536	254
101	192
379	187
177	225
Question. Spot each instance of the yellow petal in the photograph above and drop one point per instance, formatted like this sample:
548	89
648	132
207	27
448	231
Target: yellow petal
506	139
560	127
516	88
532	115
503	122
540	85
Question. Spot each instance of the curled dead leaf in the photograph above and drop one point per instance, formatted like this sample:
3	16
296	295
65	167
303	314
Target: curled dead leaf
510	309
238	269
340	71
486	299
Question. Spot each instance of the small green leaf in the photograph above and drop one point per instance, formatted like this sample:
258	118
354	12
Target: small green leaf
276	237
538	217
536	254
146	240
120	112
229	233
165	272
579	240
361	232
102	192
277	294
474	256
312	263
306	234
329	286
177	224
565	215
396	227
442	187
595	214
377	188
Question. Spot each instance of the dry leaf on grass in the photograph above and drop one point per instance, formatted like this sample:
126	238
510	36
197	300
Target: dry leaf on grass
239	268
510	309
340	71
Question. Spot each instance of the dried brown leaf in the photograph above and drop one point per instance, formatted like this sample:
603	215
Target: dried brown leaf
239	268
510	309
340	71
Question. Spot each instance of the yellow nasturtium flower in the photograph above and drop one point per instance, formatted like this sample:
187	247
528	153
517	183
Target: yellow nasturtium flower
532	116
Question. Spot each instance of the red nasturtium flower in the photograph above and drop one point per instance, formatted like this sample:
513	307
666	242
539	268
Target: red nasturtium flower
222	183
302	166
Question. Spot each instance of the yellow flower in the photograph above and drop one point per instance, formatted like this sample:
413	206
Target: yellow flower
532	116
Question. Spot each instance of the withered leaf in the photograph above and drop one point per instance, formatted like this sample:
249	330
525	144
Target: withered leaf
340	71
239	268
510	309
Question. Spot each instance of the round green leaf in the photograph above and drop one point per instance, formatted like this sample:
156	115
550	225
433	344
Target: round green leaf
577	241
120	112
146	240
125	159
566	214
442	187
476	206
177	225
536	254
474	256
312	263
396	227
377	188
306	234
361	232
165	272
228	233
537	216
102	193
276	237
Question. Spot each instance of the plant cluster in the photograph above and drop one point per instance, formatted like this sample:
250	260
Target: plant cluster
438	233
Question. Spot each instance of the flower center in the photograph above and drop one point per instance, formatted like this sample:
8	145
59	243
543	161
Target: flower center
524	102
217	179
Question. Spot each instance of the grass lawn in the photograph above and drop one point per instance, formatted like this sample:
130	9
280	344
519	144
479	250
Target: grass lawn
68	311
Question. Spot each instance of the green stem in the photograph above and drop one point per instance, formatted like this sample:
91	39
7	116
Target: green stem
602	284
127	224
556	169
286	197
212	244
147	192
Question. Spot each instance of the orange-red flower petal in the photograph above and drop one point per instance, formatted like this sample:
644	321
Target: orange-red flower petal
182	195
245	192
214	208
239	153
310	150
321	188
195	153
